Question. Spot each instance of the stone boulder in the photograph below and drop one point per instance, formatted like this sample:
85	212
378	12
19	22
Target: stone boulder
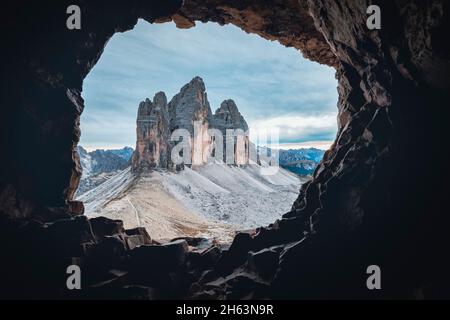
102	226
227	116
166	257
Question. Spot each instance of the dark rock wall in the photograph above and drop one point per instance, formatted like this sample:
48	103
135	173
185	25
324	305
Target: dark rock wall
372	185
43	70
369	202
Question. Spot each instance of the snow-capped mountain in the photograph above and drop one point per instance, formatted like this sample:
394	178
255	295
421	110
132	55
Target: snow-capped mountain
99	165
301	161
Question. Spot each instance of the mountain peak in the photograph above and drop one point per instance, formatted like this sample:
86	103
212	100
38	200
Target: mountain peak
227	116
197	79
195	84
190	105
160	100
190	110
228	106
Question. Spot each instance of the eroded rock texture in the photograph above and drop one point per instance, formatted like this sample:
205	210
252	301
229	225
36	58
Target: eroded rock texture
42	85
187	121
373	200
189	110
227	117
152	134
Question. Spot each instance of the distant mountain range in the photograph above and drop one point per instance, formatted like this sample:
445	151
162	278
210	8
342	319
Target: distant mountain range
300	161
101	164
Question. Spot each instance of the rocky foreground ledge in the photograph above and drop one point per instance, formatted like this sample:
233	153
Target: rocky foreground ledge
117	263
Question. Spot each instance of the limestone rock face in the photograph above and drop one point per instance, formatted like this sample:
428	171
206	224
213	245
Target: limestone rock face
152	133
190	113
189	105
190	110
228	117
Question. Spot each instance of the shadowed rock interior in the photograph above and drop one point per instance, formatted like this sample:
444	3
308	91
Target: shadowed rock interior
372	200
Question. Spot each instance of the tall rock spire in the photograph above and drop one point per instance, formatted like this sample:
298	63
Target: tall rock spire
228	117
188	110
152	134
189	105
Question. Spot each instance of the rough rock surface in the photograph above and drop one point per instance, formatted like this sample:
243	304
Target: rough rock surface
228	117
369	202
189	105
152	134
188	110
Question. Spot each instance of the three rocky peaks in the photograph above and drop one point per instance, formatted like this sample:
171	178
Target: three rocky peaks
157	121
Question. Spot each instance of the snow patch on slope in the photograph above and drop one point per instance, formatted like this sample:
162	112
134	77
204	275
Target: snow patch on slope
95	199
213	199
239	196
141	200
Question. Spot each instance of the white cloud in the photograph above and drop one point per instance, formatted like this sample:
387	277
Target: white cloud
293	127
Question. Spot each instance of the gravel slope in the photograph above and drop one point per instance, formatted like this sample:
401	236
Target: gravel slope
210	201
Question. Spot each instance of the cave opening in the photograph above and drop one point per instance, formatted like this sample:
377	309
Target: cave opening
133	106
370	201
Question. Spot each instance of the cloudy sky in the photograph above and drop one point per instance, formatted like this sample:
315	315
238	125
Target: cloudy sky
274	87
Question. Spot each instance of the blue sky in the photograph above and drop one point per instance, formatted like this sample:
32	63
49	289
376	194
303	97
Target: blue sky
273	86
